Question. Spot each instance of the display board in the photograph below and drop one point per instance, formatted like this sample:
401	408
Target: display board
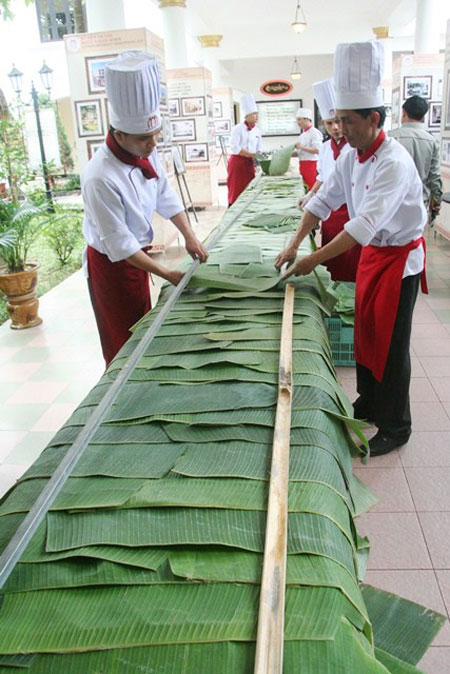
277	118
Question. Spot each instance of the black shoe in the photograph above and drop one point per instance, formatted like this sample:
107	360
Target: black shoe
382	444
361	411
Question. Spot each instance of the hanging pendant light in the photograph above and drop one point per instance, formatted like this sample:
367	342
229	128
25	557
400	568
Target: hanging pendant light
299	23
295	72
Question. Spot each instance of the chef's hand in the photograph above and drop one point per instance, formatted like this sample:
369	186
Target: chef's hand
302	267
174	277
196	249
288	254
304	200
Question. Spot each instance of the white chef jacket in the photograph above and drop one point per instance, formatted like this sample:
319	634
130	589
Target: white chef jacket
119	203
383	197
243	139
310	138
326	161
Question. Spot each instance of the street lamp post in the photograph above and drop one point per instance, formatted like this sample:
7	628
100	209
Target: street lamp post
46	76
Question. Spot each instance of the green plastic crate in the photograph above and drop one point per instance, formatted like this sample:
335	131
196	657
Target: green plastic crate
341	342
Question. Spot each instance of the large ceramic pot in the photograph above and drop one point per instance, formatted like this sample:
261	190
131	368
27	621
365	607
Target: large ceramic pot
20	290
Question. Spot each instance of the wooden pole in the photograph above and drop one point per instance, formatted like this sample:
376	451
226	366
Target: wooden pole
270	638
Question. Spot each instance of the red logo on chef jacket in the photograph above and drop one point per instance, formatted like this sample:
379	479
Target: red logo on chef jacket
276	88
153	121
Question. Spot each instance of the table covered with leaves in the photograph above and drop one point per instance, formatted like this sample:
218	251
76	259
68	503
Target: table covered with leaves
150	559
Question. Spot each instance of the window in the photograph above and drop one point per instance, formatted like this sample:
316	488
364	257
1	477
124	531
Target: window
57	18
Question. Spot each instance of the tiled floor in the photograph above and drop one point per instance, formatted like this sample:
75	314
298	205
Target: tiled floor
46	371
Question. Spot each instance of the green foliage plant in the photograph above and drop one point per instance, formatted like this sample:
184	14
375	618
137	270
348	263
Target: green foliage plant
63	232
19	227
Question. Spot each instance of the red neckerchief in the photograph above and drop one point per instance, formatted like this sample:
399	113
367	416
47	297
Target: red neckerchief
337	147
307	128
249	126
364	156
131	159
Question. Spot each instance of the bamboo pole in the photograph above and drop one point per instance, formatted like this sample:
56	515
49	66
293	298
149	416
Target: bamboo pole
270	637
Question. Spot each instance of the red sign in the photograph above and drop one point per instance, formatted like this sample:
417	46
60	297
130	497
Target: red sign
276	88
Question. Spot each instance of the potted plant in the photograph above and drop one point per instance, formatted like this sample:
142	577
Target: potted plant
19	226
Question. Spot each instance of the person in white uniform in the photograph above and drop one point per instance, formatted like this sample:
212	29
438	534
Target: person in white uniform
122	186
381	187
342	267
308	146
246	142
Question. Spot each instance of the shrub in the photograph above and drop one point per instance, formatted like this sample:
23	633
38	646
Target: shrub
63	233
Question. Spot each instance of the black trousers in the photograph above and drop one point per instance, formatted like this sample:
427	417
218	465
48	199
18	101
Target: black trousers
387	402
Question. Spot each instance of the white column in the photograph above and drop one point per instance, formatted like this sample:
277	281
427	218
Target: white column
104	15
427	27
174	25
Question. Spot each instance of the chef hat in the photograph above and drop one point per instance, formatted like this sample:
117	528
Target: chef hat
304	112
358	75
325	98
134	91
248	104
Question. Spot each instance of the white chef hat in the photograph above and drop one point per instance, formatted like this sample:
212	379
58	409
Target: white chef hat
134	91
304	112
248	105
325	98
358	75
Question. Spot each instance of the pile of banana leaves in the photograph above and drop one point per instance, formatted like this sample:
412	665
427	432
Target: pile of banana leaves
150	558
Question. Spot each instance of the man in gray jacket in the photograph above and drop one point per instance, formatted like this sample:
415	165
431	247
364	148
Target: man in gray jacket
423	148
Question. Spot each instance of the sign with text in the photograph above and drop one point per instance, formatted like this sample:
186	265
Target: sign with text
276	88
277	118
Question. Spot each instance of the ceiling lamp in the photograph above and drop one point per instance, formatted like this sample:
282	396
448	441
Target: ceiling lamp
299	23
295	72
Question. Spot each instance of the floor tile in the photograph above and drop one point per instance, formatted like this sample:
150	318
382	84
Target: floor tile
29	448
6	352
442	387
52	339
436	366
421	390
443	315
431	347
420	587
436	529
7	389
9	474
416	368
427	448
20	417
391	487
391	460
436	660
346	372
59	372
8	441
36	392
423	314
396	541
73	354
17	372
429	487
54	417
429	331
429	416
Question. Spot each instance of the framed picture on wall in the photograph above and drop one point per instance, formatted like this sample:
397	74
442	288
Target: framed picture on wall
89	118
222	126
447	103
96	72
163	99
217	109
196	152
194	105
174	107
417	86
395	109
435	113
183	129
93	146
445	151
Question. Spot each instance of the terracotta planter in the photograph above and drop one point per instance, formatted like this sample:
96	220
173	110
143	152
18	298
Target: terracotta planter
20	290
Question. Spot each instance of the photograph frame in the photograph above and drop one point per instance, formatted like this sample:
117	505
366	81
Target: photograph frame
188	123
445	151
83	131
95	76
189	149
91	149
217	109
198	107
413	85
434	106
222	126
173	106
447	101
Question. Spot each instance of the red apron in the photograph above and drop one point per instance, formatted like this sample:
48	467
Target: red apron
120	296
308	171
378	285
342	267
241	171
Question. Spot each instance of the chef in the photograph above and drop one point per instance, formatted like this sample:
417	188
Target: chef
122	186
379	183
308	146
246	142
342	267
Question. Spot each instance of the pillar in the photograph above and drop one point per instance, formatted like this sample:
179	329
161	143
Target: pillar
102	16
427	27
174	26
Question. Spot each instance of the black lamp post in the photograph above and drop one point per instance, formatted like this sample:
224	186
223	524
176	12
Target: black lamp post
46	76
